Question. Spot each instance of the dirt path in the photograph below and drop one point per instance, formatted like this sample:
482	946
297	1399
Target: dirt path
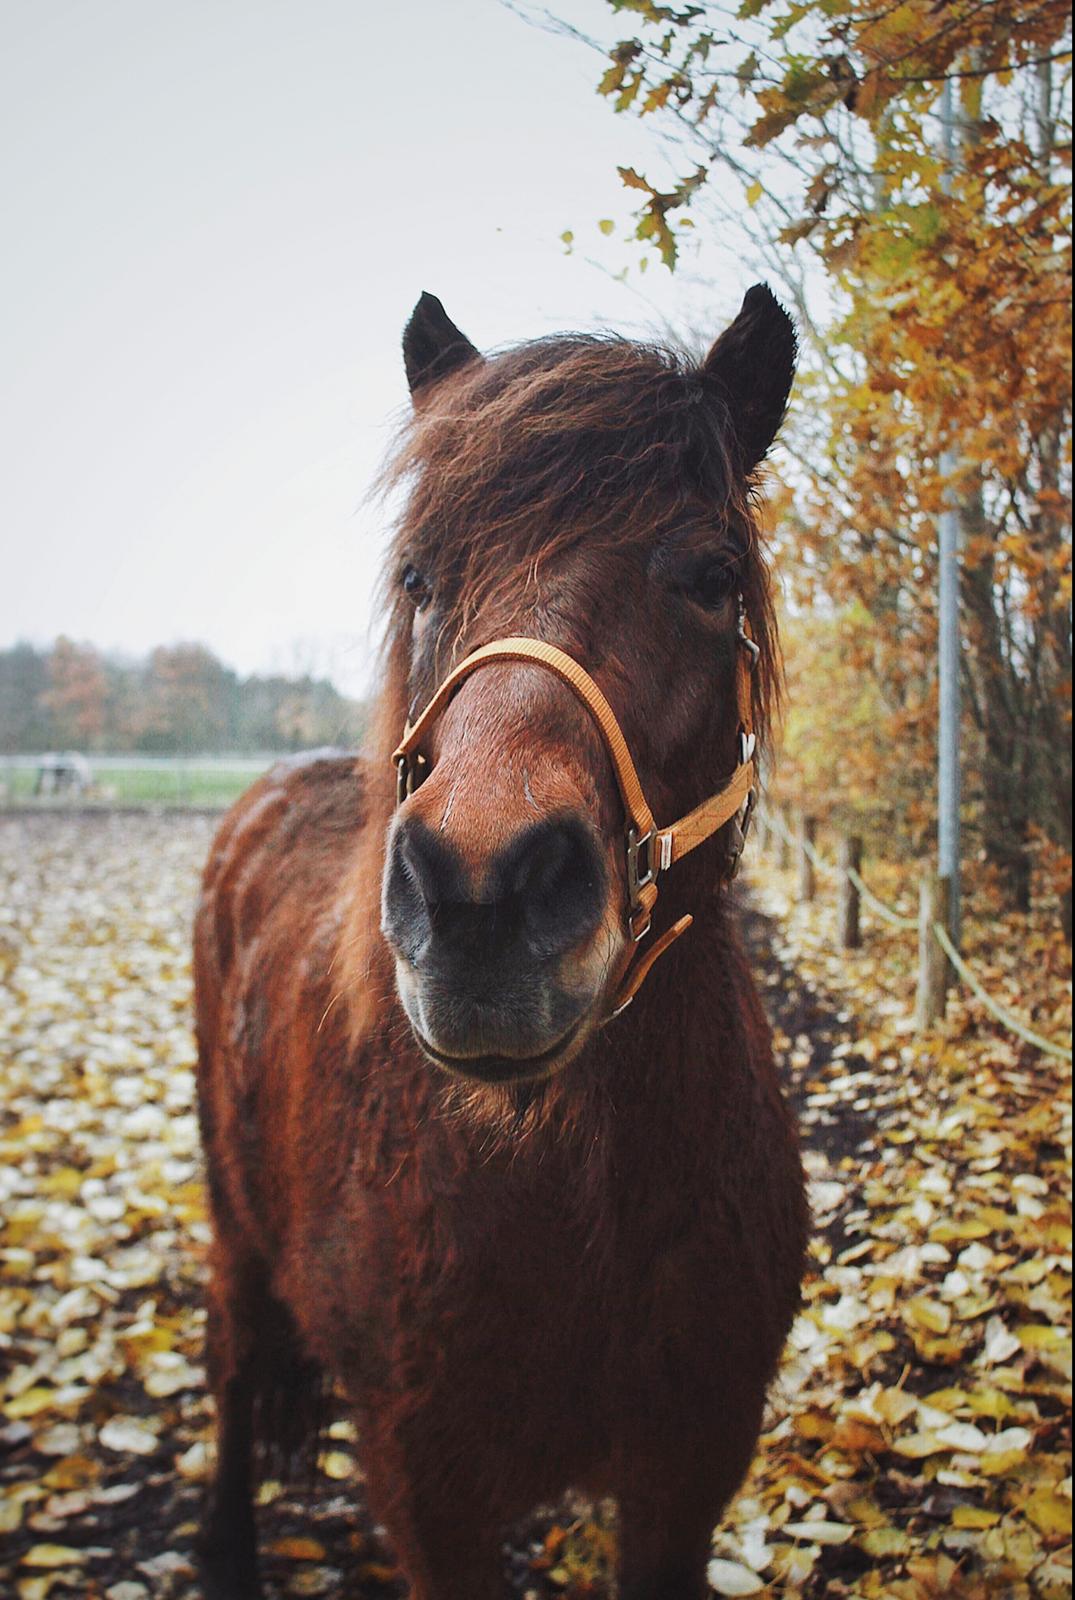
918	1433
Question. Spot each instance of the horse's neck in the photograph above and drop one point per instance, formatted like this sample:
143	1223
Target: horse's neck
363	961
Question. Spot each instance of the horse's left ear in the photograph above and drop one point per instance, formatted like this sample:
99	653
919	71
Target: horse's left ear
751	367
432	344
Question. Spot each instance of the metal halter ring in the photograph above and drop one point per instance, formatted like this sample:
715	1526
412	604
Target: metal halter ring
408	776
641	870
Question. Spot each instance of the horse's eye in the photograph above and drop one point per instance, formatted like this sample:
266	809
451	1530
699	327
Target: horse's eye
713	584
416	588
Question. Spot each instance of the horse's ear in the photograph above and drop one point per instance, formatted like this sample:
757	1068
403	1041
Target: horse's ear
751	367
432	344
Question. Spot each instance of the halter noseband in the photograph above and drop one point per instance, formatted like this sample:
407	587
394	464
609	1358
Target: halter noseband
649	850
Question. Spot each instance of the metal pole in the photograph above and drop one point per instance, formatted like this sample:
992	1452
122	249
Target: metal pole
948	647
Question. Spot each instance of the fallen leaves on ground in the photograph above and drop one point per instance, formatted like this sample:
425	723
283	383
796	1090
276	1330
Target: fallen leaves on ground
104	1420
918	1442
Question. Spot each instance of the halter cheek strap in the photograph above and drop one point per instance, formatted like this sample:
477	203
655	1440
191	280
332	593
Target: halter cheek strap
649	850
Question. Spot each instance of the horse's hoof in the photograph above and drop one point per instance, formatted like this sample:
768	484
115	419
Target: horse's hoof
229	1575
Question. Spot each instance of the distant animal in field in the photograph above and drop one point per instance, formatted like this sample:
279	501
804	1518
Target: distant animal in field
529	1196
66	773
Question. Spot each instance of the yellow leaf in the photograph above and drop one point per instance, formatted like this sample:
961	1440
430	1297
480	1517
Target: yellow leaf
916	1446
999	1463
865	1512
754	193
883	1542
948	1399
893	1406
73	1472
65	1181
1039	1336
934	1573
39	1588
298	1549
54	1555
939	1352
991	1403
949	1232
793	1563
30	1402
814	1424
974	1517
1049	1512
928	1314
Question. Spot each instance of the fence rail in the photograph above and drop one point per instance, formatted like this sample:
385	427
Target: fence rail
927	1007
64	779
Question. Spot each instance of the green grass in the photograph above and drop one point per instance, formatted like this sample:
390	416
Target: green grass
135	786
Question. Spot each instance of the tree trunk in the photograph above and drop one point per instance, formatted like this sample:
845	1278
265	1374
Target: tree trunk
1005	720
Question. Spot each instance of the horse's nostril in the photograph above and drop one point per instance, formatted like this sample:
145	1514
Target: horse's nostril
420	873
555	875
428	866
540	894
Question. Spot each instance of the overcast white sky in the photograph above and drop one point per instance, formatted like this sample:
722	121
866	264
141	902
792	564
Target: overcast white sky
217	217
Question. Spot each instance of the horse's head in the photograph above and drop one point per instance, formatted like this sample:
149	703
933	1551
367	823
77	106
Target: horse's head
597	495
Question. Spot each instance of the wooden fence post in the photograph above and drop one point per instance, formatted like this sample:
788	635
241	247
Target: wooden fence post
783	844
847	892
807	878
934	900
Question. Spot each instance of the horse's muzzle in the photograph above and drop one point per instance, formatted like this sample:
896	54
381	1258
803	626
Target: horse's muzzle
489	958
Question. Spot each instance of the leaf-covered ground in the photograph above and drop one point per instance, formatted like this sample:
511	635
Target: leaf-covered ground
919	1441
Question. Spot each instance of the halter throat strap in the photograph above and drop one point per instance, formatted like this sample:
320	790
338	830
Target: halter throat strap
649	850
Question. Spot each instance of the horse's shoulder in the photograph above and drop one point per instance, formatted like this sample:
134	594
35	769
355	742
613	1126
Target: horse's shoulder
292	832
321	790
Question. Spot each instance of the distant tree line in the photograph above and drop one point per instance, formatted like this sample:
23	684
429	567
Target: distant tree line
179	700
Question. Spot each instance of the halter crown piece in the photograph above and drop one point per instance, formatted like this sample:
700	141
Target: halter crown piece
649	850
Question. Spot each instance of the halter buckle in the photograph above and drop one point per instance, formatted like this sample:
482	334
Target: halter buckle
407	775
741	827
641	872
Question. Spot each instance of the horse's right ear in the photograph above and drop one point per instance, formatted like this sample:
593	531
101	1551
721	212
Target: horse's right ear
751	367
432	344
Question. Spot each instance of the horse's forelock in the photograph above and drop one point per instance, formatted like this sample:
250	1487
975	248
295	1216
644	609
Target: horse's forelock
514	460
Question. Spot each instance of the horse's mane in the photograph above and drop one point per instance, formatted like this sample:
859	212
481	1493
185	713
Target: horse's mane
513	460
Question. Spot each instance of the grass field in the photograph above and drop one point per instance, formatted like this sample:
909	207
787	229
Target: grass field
212	782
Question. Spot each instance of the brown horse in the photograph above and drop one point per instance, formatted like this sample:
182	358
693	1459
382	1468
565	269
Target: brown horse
535	1247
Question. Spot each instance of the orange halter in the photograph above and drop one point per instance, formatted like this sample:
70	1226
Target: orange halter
650	850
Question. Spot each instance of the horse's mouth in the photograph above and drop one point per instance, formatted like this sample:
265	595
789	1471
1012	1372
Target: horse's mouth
504	1069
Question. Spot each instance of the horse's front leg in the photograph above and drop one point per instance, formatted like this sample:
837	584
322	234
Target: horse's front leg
227	1545
445	1530
670	1503
664	1546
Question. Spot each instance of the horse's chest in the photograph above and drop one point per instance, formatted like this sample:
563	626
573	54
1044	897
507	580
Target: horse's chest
518	1281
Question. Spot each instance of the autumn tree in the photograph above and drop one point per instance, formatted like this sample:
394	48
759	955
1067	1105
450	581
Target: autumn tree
181	700
186	701
938	369
77	693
